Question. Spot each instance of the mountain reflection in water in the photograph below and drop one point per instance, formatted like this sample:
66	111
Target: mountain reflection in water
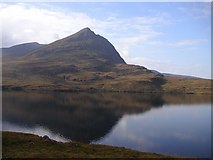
77	116
84	117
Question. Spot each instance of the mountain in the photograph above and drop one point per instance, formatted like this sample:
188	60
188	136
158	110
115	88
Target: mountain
82	47
177	75
172	75
21	49
85	61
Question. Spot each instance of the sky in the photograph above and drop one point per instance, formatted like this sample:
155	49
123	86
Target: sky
164	36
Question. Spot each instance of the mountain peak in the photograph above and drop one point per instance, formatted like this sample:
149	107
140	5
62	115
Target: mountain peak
86	32
85	47
87	29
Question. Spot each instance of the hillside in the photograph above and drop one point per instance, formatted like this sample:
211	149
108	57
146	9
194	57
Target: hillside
86	61
19	50
20	145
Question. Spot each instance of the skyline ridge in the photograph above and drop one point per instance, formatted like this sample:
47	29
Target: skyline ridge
88	32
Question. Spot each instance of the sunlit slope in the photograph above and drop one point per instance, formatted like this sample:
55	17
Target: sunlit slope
86	61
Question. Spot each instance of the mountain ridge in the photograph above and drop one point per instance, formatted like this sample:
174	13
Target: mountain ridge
87	61
21	48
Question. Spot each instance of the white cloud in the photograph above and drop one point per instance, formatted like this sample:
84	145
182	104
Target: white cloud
188	42
26	23
197	10
169	67
150	63
22	23
185	43
180	43
125	43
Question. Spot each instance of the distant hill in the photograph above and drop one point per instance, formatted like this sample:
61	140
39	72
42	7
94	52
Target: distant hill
177	75
86	61
172	75
21	49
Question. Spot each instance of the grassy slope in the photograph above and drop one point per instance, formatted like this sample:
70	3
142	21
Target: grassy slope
88	61
20	145
108	81
120	77
188	85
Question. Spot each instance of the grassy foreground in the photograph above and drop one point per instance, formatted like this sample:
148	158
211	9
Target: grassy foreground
20	145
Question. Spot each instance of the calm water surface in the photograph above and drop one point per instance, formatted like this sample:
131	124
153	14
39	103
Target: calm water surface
174	125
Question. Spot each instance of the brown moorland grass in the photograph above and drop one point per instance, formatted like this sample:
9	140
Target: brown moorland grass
21	145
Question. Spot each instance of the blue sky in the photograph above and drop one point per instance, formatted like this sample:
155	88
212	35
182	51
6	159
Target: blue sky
168	37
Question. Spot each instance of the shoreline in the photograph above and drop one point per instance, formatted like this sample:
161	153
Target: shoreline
25	145
94	90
